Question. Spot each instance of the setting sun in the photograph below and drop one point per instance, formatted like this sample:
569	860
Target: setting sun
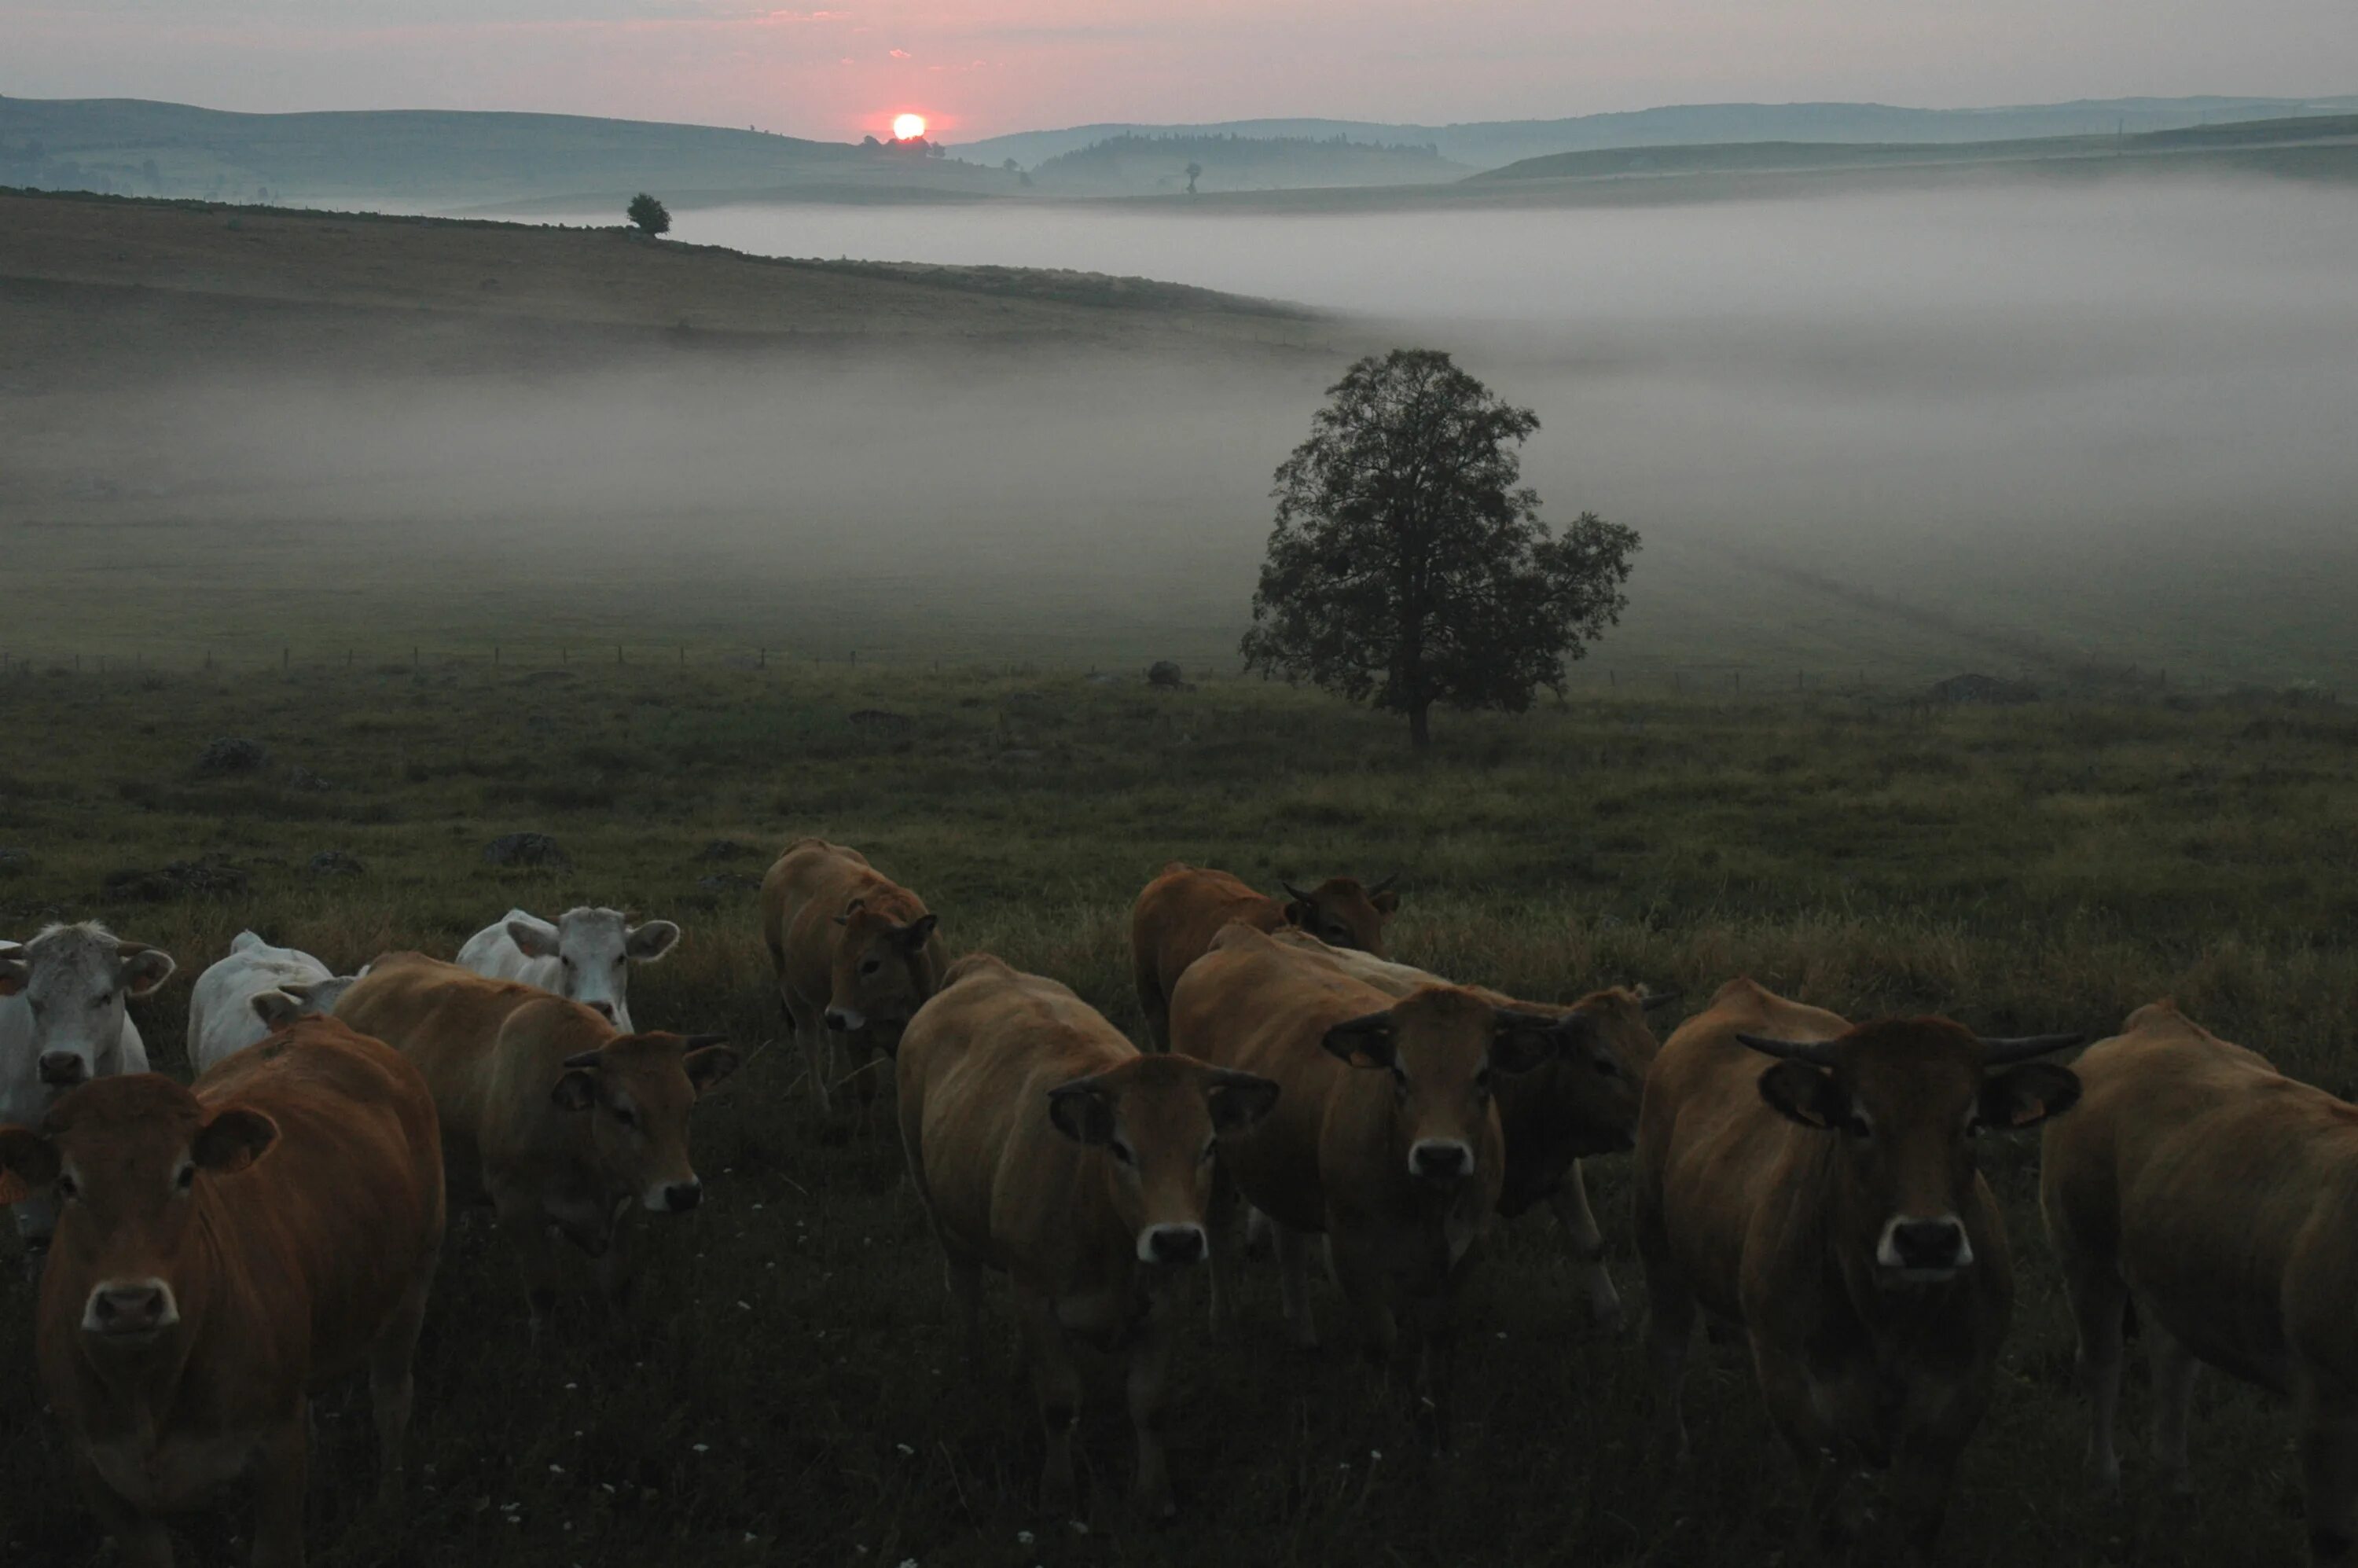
908	127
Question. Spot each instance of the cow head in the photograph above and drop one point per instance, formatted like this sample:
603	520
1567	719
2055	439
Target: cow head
75	979
637	1090
594	949
125	1159
1446	1050
301	999
1582	1099
884	973
1906	1098
1342	911
1158	1121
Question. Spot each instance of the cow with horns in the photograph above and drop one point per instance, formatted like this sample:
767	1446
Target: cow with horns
1813	1182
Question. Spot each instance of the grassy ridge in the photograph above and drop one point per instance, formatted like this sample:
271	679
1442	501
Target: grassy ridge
789	1391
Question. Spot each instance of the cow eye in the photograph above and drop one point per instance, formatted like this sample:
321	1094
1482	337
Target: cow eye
1211	1147
1123	1152
1482	1081
1859	1127
626	1116
101	999
187	1178
566	962
870	965
67	1188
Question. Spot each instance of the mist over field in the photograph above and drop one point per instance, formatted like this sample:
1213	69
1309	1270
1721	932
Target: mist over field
2008	427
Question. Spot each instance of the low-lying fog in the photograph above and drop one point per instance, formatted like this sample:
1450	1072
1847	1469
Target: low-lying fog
1979	427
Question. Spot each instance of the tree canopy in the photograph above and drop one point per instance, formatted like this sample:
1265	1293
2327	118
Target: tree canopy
1409	565
648	215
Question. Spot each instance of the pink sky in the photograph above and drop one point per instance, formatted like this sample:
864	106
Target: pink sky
990	66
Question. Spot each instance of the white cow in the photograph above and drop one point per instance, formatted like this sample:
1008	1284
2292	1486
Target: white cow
585	956
63	1022
253	993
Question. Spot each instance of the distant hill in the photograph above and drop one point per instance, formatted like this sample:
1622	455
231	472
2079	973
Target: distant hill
1751	156
429	158
1135	165
1493	144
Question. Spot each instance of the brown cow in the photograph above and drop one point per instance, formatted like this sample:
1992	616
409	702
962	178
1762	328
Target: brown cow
1827	1201
2221	1197
1181	911
1385	1137
1582	1101
1043	1143
560	1122
221	1252
855	952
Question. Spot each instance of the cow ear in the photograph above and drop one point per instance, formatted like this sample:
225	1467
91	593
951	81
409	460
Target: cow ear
233	1139
1297	914
13	975
918	932
1363	1042
2027	1095
706	1064
1239	1101
143	969
28	1163
1809	1095
534	938
576	1089
1082	1112
652	941
1522	1041
1387	903
278	1008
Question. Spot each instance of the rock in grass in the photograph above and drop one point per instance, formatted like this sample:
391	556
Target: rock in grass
228	754
527	850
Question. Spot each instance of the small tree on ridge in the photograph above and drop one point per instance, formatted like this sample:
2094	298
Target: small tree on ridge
1409	566
648	215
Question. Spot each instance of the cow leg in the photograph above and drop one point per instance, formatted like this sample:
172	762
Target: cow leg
1669	1334
1219	1247
866	1073
1433	1324
1150	1374
139	1541
2099	1310
1294	1284
965	1280
2329	1473
392	1386
818	1053
536	1248
1057	1382
281	1473
1571	1204
617	1271
2173	1394
1923	1472
1361	1278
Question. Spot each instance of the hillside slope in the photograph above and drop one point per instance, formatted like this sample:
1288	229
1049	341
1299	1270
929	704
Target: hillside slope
431	158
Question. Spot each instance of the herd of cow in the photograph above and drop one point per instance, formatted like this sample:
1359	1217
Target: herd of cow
210	1253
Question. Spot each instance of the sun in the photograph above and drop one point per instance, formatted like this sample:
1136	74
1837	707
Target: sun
908	127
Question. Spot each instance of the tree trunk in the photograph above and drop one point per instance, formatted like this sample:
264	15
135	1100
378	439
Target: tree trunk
1420	733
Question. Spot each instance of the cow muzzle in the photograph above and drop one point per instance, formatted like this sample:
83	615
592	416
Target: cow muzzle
126	1309
1924	1251
845	1020
675	1197
62	1069
1177	1244
1440	1160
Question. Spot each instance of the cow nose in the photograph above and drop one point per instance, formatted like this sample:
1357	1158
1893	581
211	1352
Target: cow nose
1174	1244
62	1069
604	1010
1927	1243
1440	1160
138	1308
838	1020
681	1196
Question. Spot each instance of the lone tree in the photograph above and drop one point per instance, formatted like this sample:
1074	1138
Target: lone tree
1194	173
648	215
1408	566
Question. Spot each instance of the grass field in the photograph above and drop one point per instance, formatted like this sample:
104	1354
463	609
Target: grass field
789	1390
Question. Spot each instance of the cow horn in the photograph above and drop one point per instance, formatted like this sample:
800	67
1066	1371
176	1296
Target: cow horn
1384	884
2000	1052
1817	1052
584	1059
1651	1001
1366	1023
1294	893
1515	1018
